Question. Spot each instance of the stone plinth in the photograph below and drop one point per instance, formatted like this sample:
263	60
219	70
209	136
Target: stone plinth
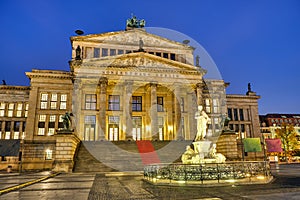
66	145
227	145
202	148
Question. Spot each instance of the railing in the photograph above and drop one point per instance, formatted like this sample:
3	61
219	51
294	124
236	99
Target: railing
208	173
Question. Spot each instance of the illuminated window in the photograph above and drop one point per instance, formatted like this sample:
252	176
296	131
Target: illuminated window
137	128
26	109
113	128
90	101
160	104
114	102
51	125
16	135
90	128
48	154
60	122
160	123
19	109
136	103
10	109
41	125
217	125
63	102
44	101
215	106
2	109
207	105
7	135
53	103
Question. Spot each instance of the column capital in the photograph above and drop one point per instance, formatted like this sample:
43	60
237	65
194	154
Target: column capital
103	81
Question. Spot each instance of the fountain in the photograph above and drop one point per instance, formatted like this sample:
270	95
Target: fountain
201	164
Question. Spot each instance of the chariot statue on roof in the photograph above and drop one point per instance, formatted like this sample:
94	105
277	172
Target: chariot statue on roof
133	22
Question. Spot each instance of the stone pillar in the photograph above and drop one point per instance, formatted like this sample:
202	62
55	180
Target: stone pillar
153	111
192	108
102	107
199	94
77	98
177	113
127	109
32	116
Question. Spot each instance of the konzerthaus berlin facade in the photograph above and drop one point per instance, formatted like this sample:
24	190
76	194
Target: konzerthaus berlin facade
126	85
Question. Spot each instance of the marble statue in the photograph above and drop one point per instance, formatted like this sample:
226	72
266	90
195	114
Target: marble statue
202	120
219	158
188	155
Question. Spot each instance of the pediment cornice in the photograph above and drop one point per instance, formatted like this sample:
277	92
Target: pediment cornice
139	61
131	37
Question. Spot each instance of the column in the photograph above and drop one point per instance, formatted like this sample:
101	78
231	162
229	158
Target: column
199	94
102	107
76	99
153	111
127	110
32	116
177	113
192	108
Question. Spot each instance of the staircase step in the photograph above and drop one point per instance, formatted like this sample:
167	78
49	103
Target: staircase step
106	156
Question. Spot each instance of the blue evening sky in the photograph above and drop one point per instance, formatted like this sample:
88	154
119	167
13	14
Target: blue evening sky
255	41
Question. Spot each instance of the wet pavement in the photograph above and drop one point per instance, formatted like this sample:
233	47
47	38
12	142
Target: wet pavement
79	186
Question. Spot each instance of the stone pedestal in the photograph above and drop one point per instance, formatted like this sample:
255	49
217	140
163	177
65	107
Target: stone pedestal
66	145
202	148
227	145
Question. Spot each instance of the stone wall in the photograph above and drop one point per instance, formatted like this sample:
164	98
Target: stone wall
34	155
66	146
227	145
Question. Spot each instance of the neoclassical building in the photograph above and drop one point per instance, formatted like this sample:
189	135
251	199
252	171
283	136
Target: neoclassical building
122	86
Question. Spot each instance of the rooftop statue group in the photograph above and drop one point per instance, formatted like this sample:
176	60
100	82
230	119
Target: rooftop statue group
133	22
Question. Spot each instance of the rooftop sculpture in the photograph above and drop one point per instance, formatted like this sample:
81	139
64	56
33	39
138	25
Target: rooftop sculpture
133	22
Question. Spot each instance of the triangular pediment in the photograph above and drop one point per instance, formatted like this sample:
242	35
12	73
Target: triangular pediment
141	61
132	38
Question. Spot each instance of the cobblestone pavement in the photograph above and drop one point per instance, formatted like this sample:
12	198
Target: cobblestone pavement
64	186
12	179
110	186
130	186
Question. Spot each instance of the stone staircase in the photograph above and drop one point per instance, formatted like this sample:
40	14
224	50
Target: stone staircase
106	156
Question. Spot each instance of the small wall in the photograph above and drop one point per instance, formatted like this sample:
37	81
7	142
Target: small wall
34	154
227	145
66	145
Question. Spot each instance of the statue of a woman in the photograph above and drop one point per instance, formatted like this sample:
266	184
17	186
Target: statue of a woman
202	120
